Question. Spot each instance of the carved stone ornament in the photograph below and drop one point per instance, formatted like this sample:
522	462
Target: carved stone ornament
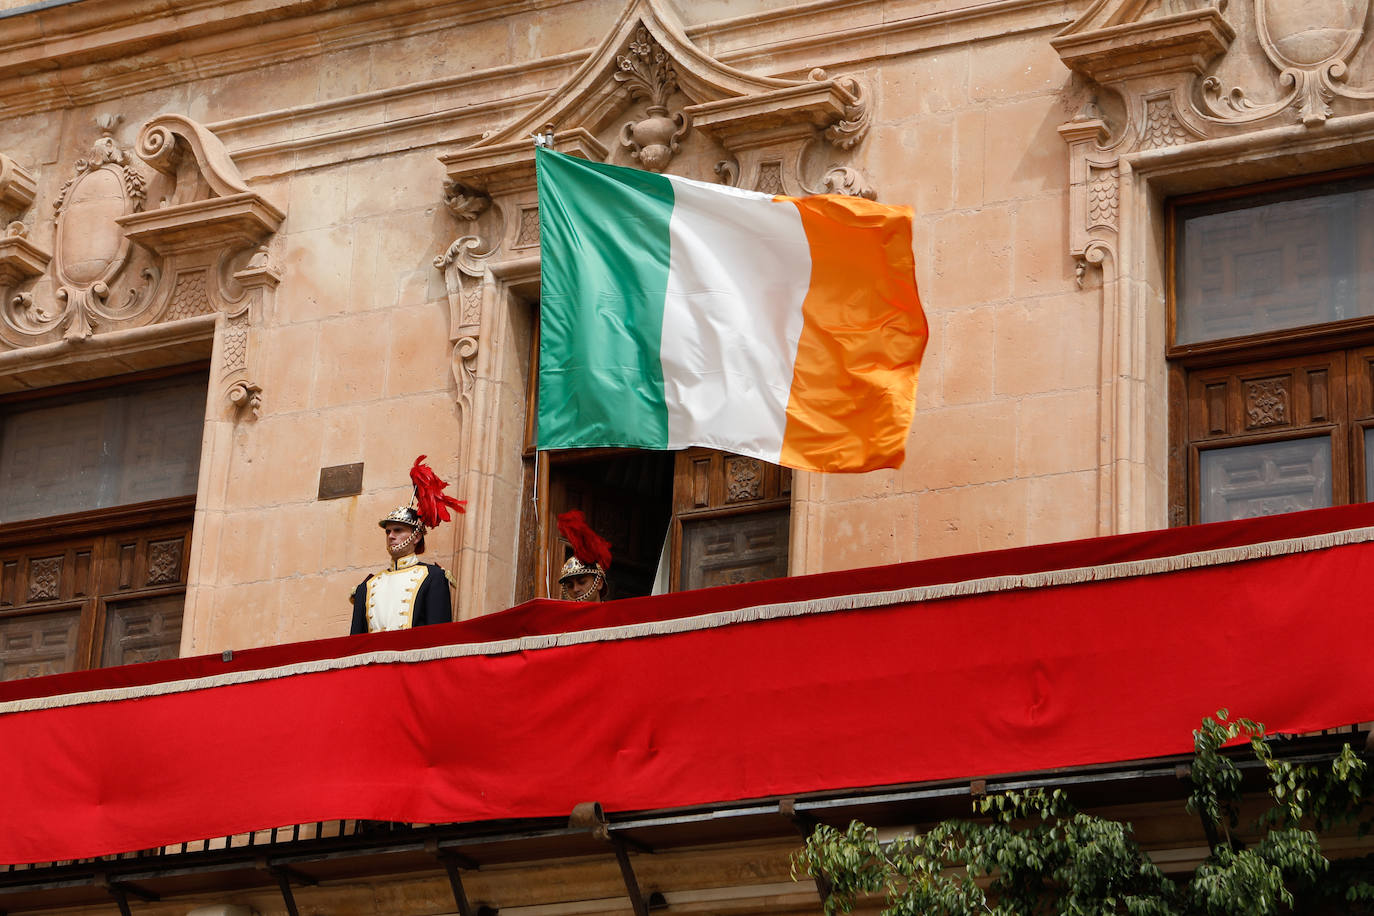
1310	44
90	248
464	272
649	75
1151	53
647	59
167	232
464	202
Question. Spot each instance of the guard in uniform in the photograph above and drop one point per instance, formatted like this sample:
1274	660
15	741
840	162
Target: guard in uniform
583	577
408	593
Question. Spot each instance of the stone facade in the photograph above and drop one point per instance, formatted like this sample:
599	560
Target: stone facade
334	203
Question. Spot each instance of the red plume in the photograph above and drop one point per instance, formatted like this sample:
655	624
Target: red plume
587	545
431	503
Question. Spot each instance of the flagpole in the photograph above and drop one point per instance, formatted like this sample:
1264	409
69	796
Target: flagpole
543	138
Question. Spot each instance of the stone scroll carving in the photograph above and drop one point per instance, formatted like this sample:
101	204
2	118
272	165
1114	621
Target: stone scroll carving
464	272
162	232
1310	44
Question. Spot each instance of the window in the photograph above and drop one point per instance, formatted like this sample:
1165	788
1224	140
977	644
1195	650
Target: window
688	519
1272	348
97	490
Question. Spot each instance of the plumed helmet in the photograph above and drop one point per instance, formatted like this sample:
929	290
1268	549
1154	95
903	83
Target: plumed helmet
591	556
405	515
576	567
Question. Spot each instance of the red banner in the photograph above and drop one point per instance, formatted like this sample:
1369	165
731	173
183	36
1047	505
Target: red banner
906	674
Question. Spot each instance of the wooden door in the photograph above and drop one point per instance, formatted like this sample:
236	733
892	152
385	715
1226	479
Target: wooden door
93	598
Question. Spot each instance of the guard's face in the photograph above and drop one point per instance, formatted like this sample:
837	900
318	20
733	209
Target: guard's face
582	588
400	539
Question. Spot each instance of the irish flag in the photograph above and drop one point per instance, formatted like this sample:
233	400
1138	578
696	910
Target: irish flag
677	313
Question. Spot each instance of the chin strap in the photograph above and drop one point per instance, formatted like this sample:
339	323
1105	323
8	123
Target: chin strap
399	550
593	592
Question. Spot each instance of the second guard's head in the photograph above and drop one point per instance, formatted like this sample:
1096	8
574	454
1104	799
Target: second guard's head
405	533
580	581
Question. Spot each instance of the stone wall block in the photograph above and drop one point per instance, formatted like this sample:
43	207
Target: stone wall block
966	355
1057	432
352	362
1038	263
419	350
959	446
869	531
971	519
315	282
1024	153
290	365
972	259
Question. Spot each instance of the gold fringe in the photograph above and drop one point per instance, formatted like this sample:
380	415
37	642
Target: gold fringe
870	600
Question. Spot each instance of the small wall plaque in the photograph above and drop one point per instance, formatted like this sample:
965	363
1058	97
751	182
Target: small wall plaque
341	480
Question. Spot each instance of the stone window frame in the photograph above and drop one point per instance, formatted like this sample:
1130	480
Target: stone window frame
1139	453
1332	359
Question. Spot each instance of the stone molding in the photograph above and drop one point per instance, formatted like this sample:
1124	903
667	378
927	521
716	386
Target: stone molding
453	107
88	49
1174	131
119	266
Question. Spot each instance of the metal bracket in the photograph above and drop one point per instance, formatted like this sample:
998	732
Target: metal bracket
453	862
120	891
591	817
806	825
285	874
627	874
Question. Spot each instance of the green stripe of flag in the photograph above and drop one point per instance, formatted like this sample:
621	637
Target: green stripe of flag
603	240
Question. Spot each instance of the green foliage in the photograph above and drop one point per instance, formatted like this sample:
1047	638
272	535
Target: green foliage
1032	852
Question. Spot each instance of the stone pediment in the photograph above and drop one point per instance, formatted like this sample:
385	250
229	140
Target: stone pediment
645	90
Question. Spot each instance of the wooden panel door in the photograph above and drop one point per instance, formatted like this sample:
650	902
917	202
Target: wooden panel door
95	599
1268	437
731	519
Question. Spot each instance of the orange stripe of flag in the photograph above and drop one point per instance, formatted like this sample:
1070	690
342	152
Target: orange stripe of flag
863	334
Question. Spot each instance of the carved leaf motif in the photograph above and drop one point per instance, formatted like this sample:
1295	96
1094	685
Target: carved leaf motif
646	71
1266	402
44	577
743	479
848	181
464	202
847	132
164	562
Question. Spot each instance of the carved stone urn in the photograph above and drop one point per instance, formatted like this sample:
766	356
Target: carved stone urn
654	139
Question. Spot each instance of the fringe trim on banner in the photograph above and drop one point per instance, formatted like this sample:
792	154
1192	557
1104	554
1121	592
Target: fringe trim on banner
868	601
